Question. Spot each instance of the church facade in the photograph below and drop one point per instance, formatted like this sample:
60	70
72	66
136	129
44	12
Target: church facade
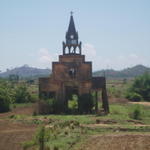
72	74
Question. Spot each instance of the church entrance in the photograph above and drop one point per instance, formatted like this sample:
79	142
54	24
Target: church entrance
71	99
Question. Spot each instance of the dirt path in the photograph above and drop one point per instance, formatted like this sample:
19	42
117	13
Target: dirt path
141	103
118	142
28	110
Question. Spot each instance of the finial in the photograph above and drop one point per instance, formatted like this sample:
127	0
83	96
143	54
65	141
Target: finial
71	13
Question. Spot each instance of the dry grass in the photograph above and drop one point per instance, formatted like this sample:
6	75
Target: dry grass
141	103
118	142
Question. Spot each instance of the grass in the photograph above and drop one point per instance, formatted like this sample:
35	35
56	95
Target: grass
68	136
18	105
120	113
67	132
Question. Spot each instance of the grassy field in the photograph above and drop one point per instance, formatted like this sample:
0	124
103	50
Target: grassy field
69	132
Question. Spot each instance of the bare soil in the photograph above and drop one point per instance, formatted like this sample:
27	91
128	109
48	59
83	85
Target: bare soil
13	134
118	142
118	100
141	103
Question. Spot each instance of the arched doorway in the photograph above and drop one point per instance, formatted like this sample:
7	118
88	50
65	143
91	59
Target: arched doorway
71	99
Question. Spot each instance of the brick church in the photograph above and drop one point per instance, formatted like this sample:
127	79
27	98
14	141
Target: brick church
72	74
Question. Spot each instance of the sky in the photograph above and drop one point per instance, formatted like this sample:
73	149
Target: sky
114	33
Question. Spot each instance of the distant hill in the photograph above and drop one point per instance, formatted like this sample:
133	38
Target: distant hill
125	73
31	72
26	72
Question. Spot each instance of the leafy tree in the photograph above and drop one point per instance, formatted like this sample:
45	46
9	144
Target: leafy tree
4	100
22	95
140	88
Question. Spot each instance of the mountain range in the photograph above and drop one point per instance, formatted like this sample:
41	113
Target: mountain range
26	72
125	73
32	72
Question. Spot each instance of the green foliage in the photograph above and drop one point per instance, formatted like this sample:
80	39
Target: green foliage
4	100
114	92
73	104
22	95
40	137
39	140
136	112
141	86
28	144
134	96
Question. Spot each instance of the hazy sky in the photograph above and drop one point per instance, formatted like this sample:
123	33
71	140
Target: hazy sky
115	33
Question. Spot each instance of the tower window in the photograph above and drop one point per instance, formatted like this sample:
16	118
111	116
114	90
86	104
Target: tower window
72	72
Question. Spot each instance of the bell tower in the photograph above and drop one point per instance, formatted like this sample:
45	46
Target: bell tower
72	74
71	46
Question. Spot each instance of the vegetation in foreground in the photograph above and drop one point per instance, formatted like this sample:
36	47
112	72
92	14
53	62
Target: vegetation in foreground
62	132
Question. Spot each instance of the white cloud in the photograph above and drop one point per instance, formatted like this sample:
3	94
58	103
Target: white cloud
45	57
120	61
89	51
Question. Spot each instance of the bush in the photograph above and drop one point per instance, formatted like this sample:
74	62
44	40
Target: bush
22	95
136	112
141	86
73	104
4	100
135	97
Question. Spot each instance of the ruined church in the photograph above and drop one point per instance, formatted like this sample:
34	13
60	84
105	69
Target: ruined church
72	74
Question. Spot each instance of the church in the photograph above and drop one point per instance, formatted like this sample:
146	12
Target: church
72	74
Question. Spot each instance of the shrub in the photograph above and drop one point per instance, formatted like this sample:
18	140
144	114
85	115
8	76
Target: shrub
4	100
40	137
141	86
28	144
136	112
22	95
73	104
134	97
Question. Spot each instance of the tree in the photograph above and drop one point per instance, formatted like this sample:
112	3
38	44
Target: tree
140	88
22	95
4	100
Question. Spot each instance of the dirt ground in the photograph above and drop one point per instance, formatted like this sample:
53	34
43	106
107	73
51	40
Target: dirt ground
118	142
141	103
12	134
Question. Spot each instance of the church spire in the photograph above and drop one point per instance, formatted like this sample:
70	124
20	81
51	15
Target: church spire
72	44
71	28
